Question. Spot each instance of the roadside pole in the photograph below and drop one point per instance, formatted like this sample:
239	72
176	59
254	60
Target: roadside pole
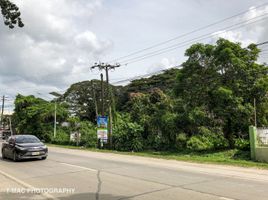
2	111
55	120
102	104
57	95
94	99
255	113
10	126
102	96
107	67
110	119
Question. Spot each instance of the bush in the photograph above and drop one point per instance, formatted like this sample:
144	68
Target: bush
207	140
181	141
155	142
127	136
199	143
242	144
88	134
62	137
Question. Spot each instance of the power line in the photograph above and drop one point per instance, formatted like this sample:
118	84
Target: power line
262	43
185	43
188	33
146	75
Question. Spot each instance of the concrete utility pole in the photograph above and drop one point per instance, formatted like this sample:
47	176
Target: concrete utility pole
57	95
2	111
10	126
102	96
94	99
255	113
107	67
55	119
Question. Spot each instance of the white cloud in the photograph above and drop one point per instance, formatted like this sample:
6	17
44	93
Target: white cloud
88	40
234	36
165	63
45	52
252	32
62	38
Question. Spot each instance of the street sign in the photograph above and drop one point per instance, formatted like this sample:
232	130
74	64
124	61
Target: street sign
102	131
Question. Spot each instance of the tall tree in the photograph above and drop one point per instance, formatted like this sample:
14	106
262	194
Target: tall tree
36	116
224	79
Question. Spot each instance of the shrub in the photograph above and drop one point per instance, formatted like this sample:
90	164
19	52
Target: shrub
88	134
155	142
199	143
127	136
181	141
215	136
62	137
207	140
242	144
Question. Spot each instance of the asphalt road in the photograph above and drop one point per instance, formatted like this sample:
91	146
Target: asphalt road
76	174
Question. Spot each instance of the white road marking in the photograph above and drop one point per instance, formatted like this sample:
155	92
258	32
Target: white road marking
80	167
26	185
225	198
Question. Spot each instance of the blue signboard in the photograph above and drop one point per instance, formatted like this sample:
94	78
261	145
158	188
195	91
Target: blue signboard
102	122
102	131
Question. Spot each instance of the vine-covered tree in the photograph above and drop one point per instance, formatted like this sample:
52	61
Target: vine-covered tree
223	80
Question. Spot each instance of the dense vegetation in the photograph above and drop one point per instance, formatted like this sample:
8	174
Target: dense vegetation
207	104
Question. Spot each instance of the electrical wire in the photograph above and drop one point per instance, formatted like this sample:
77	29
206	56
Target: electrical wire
188	33
185	43
146	75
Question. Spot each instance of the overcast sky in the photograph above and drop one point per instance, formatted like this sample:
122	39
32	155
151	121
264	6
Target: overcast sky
63	38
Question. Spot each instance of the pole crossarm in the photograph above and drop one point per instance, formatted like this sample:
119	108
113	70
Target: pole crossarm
104	66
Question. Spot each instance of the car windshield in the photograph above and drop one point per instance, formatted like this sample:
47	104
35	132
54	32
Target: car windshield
27	139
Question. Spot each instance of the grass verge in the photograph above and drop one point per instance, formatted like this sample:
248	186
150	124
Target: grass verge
232	157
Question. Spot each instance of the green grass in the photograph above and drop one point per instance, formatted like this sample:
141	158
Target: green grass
225	157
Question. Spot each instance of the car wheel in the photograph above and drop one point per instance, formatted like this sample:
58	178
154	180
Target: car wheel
43	158
15	156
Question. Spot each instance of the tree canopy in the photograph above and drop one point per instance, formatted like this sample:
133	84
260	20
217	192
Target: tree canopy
206	104
36	116
223	80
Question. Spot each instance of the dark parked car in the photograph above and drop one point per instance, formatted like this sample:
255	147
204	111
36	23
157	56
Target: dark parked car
19	147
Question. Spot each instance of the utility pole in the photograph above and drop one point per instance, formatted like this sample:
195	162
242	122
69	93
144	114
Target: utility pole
10	126
255	113
102	96
107	67
2	111
94	99
57	95
55	119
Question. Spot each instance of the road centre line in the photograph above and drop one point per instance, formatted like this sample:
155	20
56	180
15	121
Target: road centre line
80	167
224	198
